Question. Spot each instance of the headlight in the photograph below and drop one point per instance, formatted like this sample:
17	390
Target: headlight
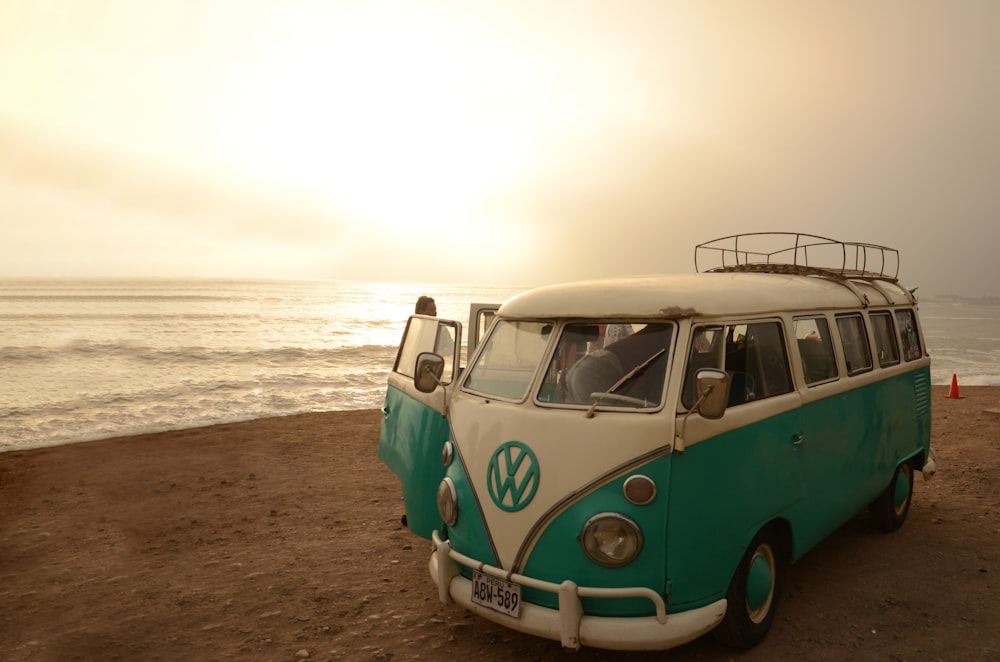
447	500
611	540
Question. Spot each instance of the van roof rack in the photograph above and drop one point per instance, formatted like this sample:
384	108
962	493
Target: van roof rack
799	254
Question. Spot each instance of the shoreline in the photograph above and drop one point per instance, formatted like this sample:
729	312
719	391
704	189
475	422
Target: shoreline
150	433
943	388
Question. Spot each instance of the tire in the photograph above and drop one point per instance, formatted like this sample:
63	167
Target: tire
753	592
889	510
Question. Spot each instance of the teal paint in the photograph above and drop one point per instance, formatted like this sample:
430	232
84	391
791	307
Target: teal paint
725	489
469	535
760	581
558	554
410	444
513	476
722	491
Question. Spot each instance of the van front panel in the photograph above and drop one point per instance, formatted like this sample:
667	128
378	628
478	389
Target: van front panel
557	554
572	468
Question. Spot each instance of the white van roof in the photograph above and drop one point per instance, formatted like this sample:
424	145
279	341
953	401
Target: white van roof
673	296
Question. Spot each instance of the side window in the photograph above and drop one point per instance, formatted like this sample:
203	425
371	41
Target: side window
444	344
812	335
767	362
908	333
885	338
427	335
706	351
857	354
753	355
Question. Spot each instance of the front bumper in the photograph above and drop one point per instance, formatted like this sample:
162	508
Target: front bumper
568	624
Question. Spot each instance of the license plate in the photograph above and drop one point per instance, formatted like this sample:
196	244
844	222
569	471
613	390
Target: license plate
497	594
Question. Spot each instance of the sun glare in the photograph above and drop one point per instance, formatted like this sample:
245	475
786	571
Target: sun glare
389	136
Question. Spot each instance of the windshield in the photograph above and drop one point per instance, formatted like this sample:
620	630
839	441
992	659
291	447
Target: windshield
613	364
508	362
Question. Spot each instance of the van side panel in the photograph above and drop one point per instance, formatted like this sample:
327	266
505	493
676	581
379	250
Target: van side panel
852	443
410	444
725	488
722	490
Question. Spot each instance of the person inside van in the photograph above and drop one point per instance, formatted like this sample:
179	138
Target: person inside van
600	370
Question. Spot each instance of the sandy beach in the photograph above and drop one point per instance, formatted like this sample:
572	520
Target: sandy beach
280	539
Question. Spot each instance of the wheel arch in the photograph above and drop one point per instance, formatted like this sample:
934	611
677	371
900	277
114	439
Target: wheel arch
782	530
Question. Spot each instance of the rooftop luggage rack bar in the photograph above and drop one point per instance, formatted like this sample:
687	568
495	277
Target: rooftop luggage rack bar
799	254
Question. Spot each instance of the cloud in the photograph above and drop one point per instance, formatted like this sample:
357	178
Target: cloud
84	208
432	141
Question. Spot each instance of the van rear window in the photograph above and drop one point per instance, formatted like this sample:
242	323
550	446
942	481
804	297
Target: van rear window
885	338
908	334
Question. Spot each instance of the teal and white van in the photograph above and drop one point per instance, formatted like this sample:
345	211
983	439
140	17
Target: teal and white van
631	463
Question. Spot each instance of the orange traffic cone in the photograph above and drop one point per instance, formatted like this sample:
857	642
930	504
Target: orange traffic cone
953	393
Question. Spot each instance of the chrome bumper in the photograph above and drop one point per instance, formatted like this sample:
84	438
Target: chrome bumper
568	624
930	466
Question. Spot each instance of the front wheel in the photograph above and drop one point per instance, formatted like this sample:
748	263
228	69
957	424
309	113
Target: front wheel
753	593
889	510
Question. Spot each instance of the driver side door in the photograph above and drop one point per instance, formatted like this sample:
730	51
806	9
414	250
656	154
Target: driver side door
414	425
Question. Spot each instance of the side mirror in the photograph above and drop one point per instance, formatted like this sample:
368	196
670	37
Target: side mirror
713	392
428	371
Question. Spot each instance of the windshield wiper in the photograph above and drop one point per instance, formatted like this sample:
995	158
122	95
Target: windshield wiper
626	378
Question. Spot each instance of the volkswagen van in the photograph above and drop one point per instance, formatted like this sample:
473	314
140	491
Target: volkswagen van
632	463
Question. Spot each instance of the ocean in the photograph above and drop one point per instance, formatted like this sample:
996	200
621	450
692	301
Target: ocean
83	360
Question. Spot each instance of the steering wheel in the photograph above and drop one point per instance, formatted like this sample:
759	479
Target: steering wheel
618	397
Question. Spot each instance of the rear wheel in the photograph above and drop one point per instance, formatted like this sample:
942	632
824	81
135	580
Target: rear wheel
753	594
889	510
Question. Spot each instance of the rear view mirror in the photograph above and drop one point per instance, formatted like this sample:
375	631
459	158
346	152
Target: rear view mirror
713	392
428	371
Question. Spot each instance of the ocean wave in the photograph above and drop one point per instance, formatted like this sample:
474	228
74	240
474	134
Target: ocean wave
95	416
128	350
84	297
129	316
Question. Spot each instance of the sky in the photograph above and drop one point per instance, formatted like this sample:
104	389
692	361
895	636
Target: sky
512	143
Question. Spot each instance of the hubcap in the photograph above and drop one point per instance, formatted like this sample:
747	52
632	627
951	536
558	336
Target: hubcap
760	583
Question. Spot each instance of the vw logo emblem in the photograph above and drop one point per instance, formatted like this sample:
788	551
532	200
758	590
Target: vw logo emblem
512	476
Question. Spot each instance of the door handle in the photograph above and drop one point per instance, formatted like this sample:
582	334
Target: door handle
797	440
